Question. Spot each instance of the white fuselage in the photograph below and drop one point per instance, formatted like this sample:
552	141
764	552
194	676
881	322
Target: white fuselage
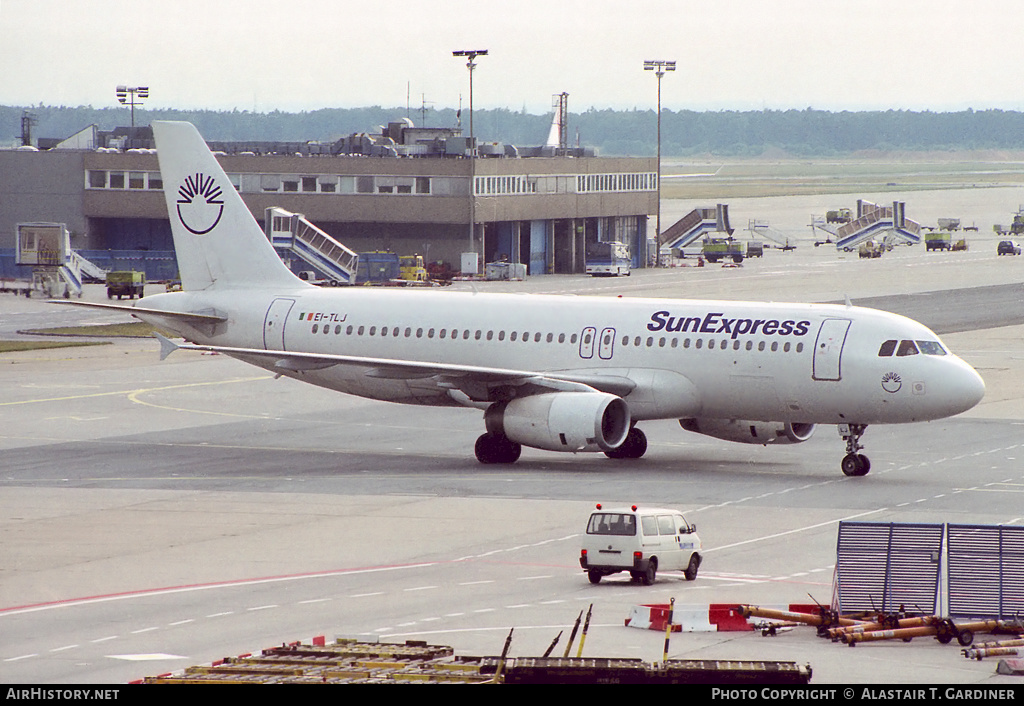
808	363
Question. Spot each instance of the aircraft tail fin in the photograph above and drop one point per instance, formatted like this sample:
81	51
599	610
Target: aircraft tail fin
217	241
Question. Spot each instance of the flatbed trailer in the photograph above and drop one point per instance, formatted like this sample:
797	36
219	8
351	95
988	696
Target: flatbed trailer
349	661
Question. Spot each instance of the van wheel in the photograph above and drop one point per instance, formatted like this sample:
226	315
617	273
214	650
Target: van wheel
594	576
649	575
691	569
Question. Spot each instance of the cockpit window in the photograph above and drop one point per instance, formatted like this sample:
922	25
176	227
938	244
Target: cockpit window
931	348
887	349
907	348
910	348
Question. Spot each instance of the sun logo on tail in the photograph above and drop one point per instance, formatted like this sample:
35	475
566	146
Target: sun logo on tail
199	204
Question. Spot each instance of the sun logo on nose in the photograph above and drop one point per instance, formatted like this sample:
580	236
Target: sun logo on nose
891	382
199	204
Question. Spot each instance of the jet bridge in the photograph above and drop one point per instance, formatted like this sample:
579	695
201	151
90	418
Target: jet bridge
887	223
695	225
291	234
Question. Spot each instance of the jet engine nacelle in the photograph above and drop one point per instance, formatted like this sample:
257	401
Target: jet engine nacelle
562	421
748	432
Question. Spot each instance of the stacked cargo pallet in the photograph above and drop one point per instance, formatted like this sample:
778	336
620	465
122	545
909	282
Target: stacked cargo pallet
353	662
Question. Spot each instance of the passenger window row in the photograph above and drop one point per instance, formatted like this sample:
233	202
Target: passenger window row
724	344
537	337
464	334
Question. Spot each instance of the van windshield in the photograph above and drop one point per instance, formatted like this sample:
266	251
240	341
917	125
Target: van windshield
612	523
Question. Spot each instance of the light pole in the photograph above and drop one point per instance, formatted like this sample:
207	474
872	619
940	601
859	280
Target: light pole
132	95
659	67
470	64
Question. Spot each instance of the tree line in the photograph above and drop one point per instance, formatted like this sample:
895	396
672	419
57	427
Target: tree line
803	133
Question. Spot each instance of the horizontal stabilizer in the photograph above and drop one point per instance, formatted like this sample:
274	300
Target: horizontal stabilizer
167	346
186	316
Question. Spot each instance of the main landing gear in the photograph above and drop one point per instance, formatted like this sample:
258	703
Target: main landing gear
497	448
854	464
634	446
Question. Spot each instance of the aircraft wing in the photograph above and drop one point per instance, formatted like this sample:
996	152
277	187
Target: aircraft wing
475	382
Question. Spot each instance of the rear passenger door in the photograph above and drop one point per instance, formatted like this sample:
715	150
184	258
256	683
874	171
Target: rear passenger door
274	324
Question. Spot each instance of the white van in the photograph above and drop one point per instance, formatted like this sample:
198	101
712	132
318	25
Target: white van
641	541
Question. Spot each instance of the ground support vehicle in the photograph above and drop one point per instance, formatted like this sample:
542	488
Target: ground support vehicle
411	268
125	283
608	259
870	249
1007	247
390	269
505	272
716	249
938	240
441	272
641	541
377	268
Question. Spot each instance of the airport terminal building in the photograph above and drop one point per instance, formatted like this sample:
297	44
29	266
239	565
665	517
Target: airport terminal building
406	190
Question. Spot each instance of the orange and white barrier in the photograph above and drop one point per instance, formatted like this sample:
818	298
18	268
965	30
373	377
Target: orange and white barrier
714	617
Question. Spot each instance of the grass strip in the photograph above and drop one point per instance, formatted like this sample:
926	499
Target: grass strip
16	346
136	329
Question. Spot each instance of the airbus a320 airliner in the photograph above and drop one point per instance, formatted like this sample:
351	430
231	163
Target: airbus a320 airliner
560	373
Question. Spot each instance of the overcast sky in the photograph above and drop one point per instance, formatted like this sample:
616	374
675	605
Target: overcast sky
295	55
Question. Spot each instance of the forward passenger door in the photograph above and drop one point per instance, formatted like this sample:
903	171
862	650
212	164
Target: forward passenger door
828	349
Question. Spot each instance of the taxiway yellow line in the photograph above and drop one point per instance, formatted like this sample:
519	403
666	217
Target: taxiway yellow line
133	394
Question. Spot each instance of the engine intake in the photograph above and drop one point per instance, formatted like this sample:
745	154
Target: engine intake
562	421
748	432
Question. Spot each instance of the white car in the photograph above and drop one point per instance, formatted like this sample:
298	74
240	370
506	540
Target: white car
641	541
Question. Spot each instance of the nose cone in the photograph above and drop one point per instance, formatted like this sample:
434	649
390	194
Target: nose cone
964	388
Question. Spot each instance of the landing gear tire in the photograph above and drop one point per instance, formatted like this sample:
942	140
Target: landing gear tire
634	446
856	465
496	448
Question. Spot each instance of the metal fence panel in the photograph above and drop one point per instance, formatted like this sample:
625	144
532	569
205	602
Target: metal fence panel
887	567
986	571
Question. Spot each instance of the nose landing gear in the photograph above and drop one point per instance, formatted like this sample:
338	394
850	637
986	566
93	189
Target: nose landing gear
854	464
